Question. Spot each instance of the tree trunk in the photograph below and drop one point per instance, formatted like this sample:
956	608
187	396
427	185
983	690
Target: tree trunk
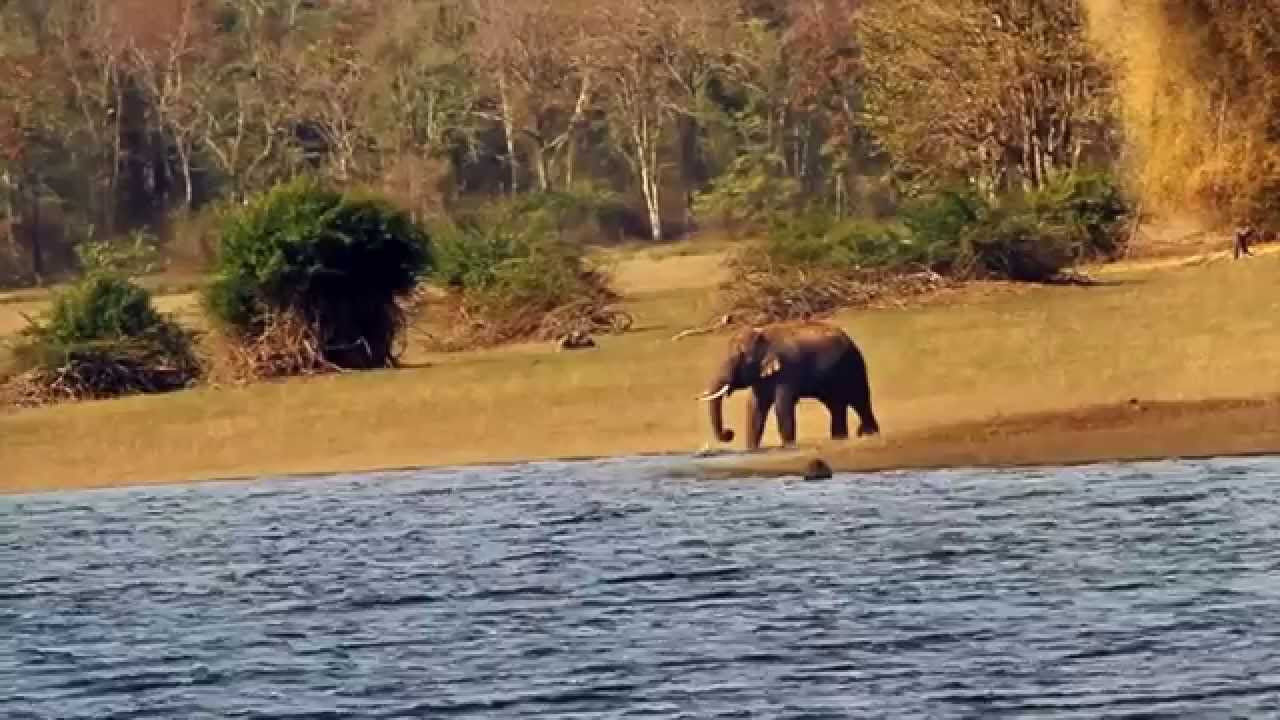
188	191
570	162
508	127
692	164
647	163
649	182
35	242
540	162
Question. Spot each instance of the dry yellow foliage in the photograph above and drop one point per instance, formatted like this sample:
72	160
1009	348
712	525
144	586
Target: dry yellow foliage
1199	93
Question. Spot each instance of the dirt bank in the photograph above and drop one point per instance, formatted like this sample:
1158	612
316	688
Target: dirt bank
1123	432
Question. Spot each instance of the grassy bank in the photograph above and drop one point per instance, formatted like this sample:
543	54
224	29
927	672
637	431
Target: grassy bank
958	372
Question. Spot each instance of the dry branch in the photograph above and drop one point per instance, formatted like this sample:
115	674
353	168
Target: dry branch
761	293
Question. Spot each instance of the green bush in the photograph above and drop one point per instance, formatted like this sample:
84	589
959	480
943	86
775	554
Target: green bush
819	240
337	260
1028	237
508	274
1093	208
942	221
753	191
511	255
104	338
1017	244
135	253
582	214
810	263
100	307
575	213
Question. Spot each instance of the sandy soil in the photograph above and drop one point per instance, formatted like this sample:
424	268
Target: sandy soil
1122	432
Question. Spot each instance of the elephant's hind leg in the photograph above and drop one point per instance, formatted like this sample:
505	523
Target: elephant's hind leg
855	388
839	410
785	403
867	423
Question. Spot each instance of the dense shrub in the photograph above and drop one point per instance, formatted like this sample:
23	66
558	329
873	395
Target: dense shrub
942	221
336	261
1092	207
812	263
751	192
102	338
1028	237
763	292
817	239
1017	244
582	214
508	275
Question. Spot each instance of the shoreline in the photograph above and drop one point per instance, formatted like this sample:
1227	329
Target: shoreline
1085	436
1091	435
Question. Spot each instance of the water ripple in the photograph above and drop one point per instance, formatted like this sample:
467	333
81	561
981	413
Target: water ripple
612	590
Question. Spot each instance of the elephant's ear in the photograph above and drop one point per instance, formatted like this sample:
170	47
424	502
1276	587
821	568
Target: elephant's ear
770	365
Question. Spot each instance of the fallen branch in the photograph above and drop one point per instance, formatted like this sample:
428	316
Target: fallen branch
722	322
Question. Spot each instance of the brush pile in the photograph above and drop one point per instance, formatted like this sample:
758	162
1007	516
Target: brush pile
286	346
102	339
761	293
99	371
481	319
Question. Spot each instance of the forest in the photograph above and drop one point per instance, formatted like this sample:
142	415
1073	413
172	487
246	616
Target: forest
144	116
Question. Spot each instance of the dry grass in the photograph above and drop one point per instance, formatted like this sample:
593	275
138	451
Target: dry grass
1181	334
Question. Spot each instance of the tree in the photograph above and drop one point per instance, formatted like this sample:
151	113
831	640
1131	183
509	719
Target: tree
168	55
999	93
651	57
423	100
536	53
824	88
1199	84
244	102
18	108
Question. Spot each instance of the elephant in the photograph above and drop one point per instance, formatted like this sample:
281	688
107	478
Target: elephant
784	362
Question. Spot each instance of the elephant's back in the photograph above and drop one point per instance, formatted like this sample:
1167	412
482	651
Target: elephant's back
813	332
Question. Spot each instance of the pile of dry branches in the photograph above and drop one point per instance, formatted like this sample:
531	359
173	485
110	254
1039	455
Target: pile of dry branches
480	321
759	293
101	371
287	346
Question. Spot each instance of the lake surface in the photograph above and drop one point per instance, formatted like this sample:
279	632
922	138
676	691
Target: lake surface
615	590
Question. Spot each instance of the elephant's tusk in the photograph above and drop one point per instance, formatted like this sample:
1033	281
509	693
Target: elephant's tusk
715	395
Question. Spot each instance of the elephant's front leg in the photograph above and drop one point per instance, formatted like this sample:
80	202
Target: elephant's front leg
758	404
785	399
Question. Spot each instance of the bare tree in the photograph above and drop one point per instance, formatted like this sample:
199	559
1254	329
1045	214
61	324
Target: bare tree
164	60
652	59
422	103
536	53
245	103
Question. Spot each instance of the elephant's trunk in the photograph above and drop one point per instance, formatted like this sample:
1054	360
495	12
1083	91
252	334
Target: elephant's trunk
715	402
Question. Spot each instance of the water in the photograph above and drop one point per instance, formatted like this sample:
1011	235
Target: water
613	590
